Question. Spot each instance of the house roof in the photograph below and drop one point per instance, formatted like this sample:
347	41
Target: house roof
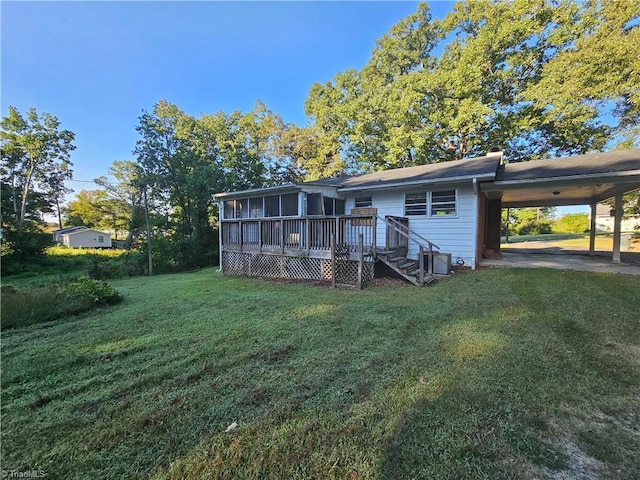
83	230
577	180
69	230
481	168
615	163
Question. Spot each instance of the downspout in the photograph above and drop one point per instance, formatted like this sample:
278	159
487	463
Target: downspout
476	253
220	216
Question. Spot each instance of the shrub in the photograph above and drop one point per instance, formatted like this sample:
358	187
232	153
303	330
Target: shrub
22	307
572	223
91	292
101	269
533	228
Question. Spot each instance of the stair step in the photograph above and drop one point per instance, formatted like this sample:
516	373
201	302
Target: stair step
429	279
395	259
407	264
387	252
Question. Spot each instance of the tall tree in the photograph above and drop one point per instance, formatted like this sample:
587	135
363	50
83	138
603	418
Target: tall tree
124	191
536	78
181	168
35	160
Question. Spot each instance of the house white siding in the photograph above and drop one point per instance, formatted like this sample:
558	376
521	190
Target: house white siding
454	234
87	239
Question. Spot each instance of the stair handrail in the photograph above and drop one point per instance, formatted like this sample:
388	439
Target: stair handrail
390	222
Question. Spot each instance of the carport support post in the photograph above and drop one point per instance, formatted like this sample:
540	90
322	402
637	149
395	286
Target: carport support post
617	221
592	230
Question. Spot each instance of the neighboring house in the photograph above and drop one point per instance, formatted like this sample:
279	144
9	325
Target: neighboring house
605	217
416	220
82	237
57	234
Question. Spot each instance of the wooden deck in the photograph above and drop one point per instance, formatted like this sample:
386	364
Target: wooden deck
299	236
341	249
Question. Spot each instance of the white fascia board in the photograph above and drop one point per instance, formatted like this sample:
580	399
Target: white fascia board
414	183
592	179
290	187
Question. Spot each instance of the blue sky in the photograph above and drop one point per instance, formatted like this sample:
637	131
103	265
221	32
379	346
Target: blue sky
97	65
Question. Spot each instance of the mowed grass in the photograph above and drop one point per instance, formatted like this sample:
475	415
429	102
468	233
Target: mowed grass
576	241
498	373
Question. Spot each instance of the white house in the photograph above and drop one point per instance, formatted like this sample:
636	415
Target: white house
82	237
402	216
605	217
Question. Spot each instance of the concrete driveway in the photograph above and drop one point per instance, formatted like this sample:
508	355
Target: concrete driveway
559	258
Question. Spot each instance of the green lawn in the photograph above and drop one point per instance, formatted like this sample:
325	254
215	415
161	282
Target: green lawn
498	373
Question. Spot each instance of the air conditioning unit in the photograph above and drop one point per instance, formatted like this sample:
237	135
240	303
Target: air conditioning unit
441	263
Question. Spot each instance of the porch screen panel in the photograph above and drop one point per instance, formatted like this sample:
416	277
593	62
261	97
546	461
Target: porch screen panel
229	208
314	204
241	208
256	207
289	205
339	206
272	206
329	206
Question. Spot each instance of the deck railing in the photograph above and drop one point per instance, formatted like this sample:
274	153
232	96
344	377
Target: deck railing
298	234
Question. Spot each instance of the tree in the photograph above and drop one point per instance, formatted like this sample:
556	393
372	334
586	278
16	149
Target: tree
531	221
499	82
90	208
125	194
572	223
35	162
181	166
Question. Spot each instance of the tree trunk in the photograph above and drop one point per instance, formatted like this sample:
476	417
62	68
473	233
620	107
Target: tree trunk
59	214
146	217
25	193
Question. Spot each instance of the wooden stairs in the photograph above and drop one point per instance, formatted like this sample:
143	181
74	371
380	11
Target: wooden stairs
409	269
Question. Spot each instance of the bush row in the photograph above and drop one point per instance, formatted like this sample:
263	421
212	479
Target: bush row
22	307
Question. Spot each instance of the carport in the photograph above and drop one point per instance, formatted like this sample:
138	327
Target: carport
578	180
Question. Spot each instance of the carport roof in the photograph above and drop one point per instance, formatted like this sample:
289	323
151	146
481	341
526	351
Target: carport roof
577	180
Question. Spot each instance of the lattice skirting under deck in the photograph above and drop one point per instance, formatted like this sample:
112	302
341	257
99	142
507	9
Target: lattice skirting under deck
304	268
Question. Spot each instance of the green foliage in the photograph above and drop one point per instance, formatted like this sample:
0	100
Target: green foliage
534	228
22	248
536	79
22	307
528	221
35	163
60	261
450	381
572	223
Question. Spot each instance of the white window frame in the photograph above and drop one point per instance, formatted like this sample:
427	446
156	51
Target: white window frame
454	214
429	204
369	203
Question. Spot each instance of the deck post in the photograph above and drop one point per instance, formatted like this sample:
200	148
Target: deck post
617	224
374	240
307	235
421	265
592	230
333	261
360	260
282	235
430	260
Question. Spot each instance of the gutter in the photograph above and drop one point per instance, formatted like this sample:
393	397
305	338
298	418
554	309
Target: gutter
290	187
593	178
383	185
